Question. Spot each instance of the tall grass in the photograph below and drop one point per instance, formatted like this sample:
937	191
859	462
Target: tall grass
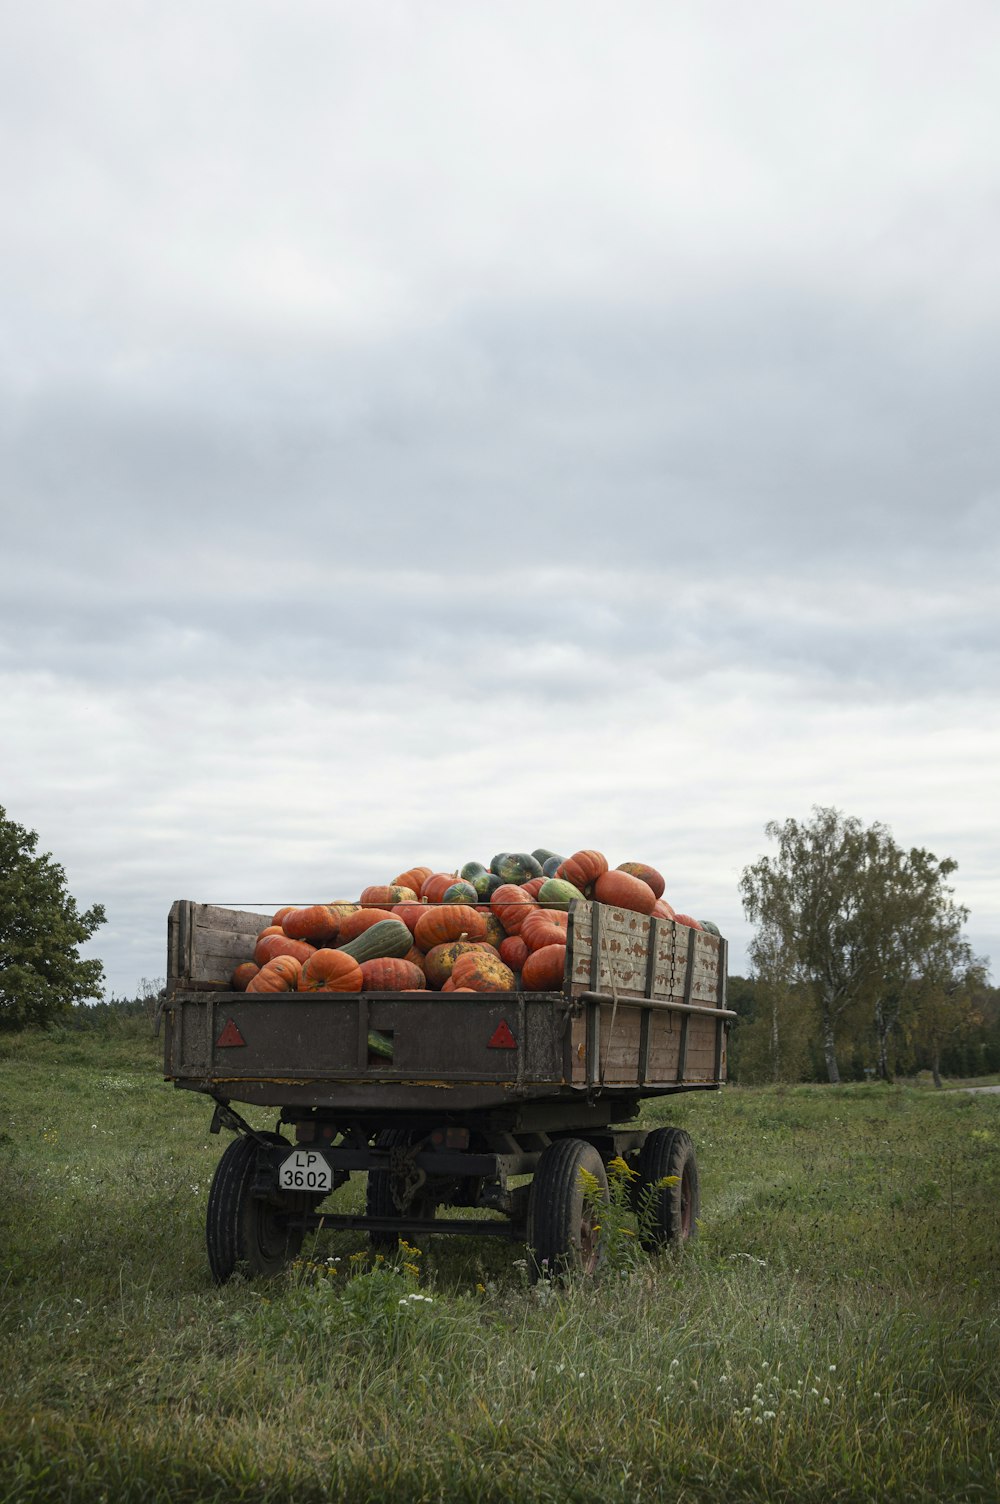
833	1334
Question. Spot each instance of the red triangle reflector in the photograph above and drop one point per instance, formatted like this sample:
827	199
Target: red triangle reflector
502	1039
229	1036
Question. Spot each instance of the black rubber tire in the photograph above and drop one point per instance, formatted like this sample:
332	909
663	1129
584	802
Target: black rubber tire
561	1221
379	1200
242	1232
668	1215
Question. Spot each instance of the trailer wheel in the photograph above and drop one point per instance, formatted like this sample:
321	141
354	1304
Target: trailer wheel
244	1233
380	1198
563	1222
668	1214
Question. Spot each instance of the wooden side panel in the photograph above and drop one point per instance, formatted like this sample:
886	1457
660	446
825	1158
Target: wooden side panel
619	1051
205	944
623	964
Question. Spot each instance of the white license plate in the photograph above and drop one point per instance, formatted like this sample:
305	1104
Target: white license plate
305	1170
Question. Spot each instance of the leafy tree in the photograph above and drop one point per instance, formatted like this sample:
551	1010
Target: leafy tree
41	973
845	911
949	1001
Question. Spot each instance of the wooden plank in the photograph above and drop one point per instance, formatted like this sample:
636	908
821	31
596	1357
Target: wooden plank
205	943
638	957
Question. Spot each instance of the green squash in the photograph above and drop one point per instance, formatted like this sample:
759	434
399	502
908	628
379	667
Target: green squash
557	893
518	867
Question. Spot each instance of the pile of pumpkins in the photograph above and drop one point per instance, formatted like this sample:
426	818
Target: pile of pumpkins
499	928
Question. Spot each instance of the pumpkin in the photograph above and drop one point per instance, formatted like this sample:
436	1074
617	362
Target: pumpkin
243	976
648	874
416	958
583	868
390	974
413	879
514	952
270	946
711	928
387	896
319	924
686	919
495	932
331	970
482	972
441	958
272	929
450	921
623	891
343	907
533	886
545	919
536	936
436	886
544	969
512	905
409	913
279	916
355	924
280	975
662	910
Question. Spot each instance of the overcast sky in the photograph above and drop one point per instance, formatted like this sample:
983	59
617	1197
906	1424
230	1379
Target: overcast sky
430	429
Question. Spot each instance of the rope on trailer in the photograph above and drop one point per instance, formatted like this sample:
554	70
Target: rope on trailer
614	1000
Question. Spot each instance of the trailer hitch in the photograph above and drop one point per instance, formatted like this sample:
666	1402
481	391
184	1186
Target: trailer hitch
225	1116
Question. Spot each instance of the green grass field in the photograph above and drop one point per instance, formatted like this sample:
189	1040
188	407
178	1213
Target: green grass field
833	1334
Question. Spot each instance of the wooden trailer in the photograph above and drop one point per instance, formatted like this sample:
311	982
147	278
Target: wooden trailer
461	1095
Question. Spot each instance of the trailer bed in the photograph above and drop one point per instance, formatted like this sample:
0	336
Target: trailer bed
641	1013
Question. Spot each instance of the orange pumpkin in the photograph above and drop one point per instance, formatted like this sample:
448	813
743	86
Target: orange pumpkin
533	885
280	975
482	972
647	874
390	974
583	868
440	959
409	913
355	924
331	971
686	919
623	891
544	919
544	969
319	924
436	886
512	906
440	923
387	896
514	952
279	916
662	910
269	946
414	878
416	957
536	936
243	976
